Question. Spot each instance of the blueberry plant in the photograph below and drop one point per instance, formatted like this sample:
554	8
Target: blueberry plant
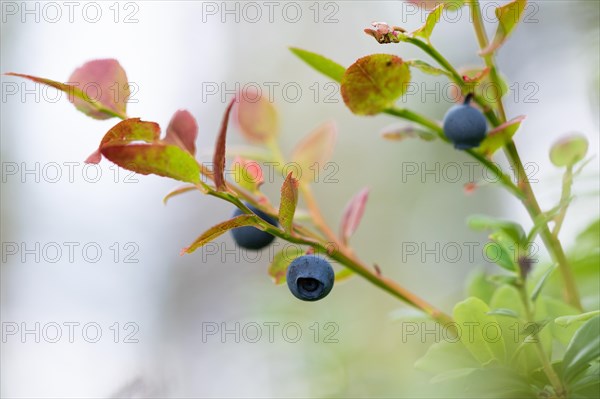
530	330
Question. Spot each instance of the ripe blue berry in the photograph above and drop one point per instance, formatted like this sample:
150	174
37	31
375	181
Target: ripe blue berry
465	126
250	237
310	277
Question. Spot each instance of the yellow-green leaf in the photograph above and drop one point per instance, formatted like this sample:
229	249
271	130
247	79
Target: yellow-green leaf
479	332
432	19
508	17
159	159
289	200
373	83
500	136
221	228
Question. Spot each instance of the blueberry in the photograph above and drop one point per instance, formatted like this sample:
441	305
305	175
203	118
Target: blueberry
250	237
310	277
465	126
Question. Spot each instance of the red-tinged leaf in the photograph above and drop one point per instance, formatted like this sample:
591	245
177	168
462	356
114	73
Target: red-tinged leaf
125	132
103	81
183	131
479	82
508	17
256	117
248	174
500	136
374	83
94	157
130	130
281	261
353	214
219	155
433	18
315	149
159	159
74	93
178	191
399	132
476	75
221	228
289	200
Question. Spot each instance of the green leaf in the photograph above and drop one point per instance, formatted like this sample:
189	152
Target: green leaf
587	384
569	150
324	65
314	151
500	136
498	253
507	298
432	19
479	331
98	88
289	200
552	309
443	356
373	83
159	159
504	312
540	284
426	68
221	228
281	261
583	349
565	321
511	229
478	285
508	17
220	149
588	240
256	117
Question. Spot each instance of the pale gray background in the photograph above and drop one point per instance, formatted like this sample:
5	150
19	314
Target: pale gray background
169	53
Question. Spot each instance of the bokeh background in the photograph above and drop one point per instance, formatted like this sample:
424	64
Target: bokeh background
172	51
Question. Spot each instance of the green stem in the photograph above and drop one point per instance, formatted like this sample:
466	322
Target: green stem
539	348
564	199
529	199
